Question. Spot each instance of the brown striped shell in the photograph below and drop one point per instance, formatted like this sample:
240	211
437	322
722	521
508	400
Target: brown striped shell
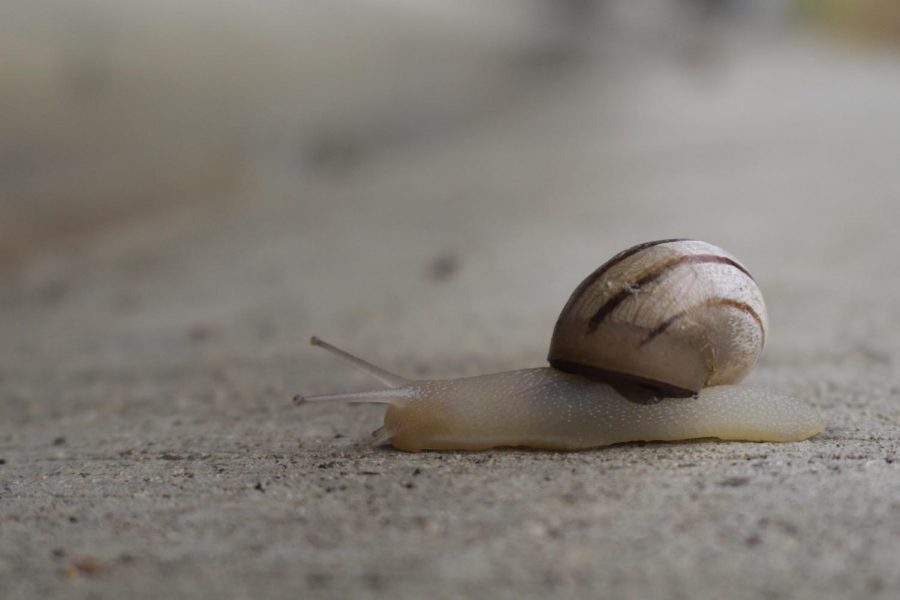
677	314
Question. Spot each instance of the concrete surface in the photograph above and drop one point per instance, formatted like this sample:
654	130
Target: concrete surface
148	447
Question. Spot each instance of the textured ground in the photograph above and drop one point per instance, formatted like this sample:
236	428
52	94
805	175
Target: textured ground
148	447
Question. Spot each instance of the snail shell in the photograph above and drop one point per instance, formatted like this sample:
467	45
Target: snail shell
676	314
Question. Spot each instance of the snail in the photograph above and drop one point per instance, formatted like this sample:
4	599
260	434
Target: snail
649	347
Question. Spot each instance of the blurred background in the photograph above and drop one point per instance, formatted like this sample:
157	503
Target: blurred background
313	161
112	111
190	189
256	172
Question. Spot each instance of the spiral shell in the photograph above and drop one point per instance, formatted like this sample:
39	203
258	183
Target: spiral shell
676	314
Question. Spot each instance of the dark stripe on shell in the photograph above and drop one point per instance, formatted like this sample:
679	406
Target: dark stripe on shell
662	327
610	305
621	380
602	269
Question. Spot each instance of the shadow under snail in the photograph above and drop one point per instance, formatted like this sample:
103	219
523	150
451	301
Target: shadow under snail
648	348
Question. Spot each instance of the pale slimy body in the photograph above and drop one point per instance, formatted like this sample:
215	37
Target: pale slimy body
550	409
546	408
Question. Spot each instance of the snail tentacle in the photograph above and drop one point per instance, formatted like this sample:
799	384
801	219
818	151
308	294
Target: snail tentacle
384	376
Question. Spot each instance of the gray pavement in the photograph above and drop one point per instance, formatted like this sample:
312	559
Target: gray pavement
148	447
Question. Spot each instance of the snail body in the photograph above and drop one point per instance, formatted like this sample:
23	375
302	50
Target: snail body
648	348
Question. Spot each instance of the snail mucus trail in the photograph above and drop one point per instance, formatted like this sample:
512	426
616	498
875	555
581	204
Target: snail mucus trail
649	347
